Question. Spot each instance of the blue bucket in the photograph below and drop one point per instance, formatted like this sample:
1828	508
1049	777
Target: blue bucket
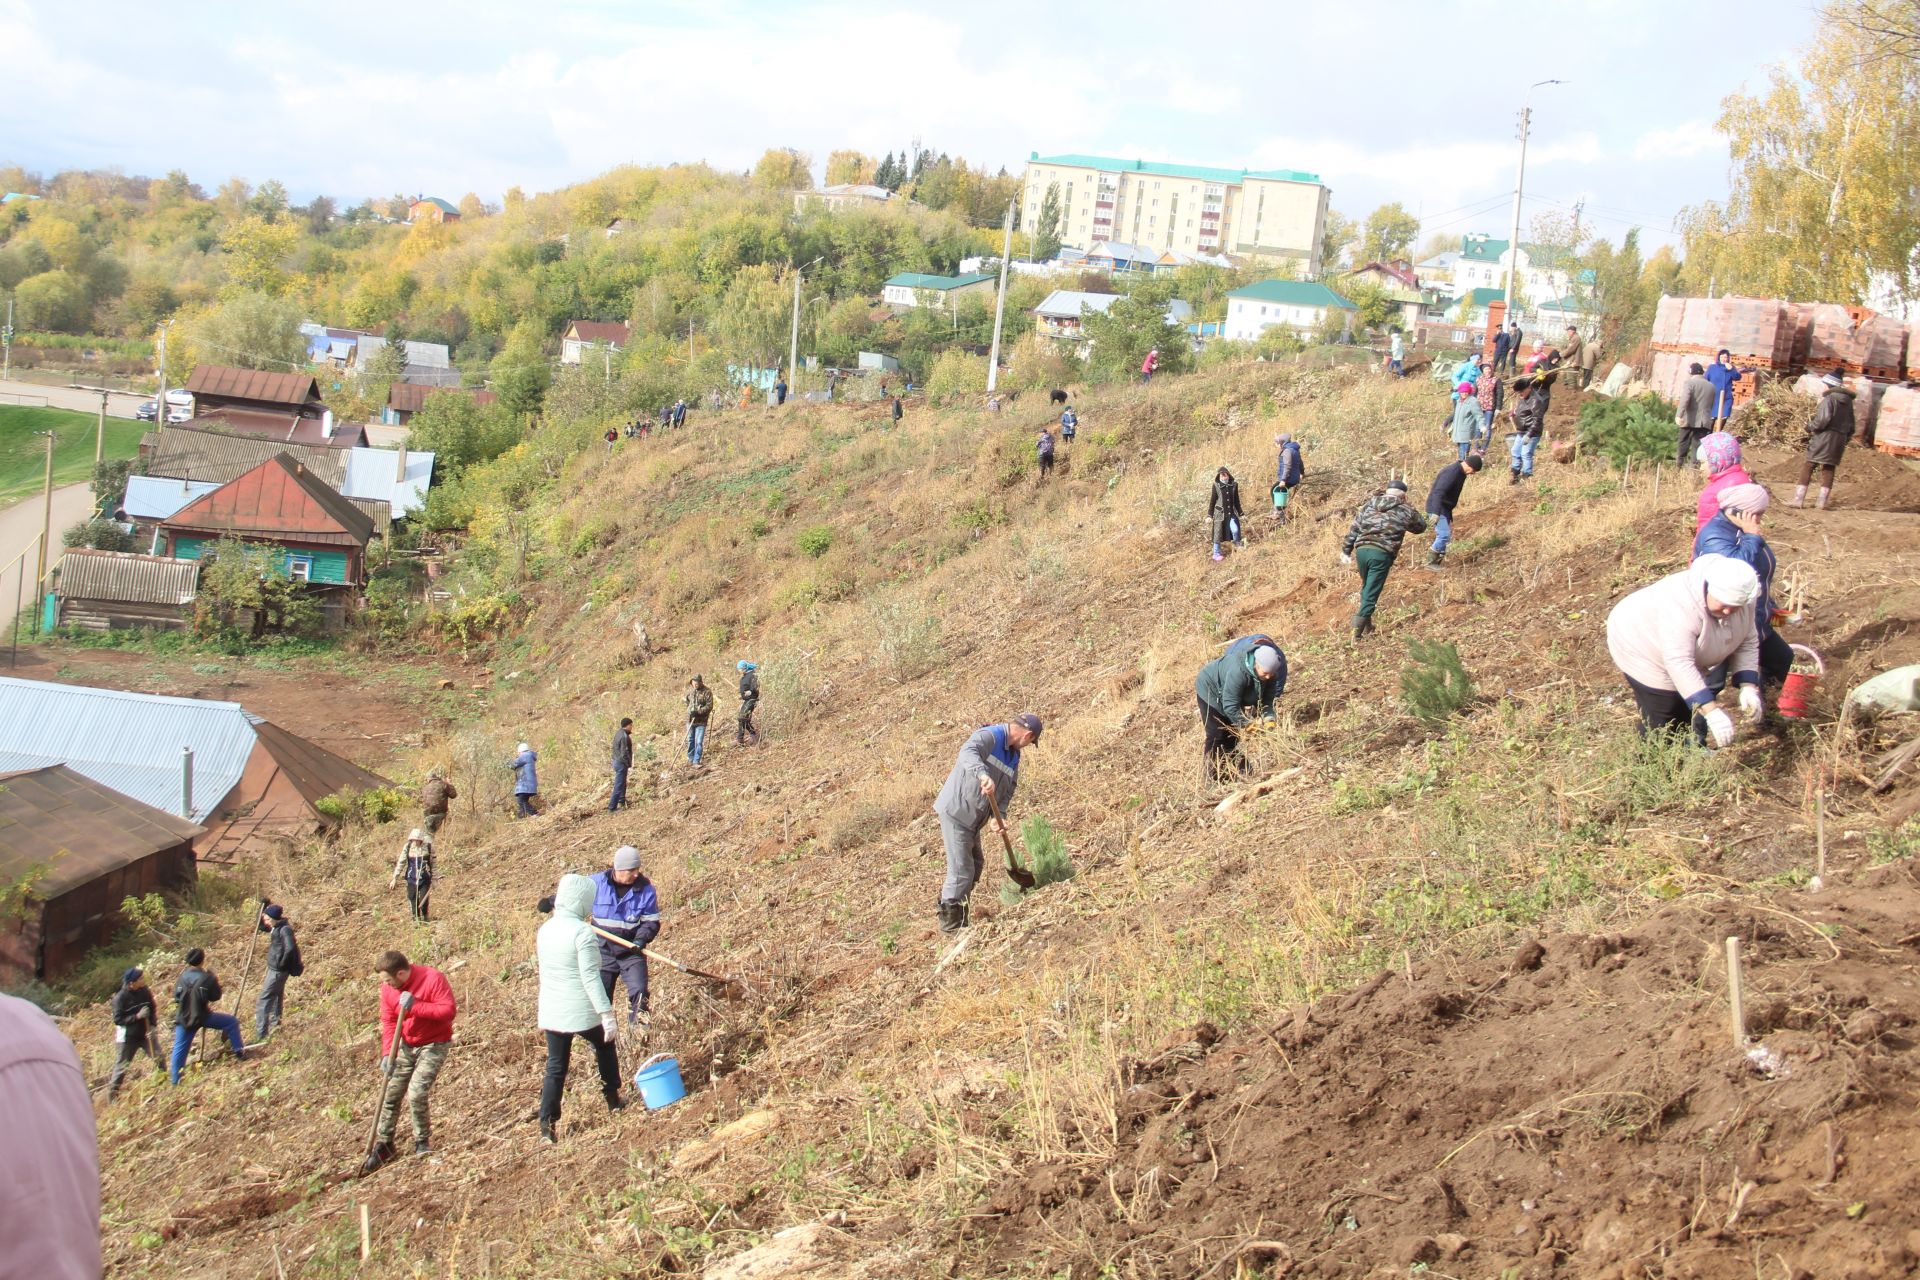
659	1083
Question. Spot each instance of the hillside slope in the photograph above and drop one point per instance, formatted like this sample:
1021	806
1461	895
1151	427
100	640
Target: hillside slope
1051	1099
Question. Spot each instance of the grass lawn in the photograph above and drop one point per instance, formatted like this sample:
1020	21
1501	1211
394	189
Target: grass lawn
23	457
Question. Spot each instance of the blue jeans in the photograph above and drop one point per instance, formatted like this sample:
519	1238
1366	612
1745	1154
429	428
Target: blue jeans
1520	451
183	1041
1442	533
696	742
619	796
1397	368
1466	447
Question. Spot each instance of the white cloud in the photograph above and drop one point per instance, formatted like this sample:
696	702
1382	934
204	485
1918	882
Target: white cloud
1684	141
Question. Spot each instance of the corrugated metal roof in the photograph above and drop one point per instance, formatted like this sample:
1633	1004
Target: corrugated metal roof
411	397
282	428
277	499
1072	302
1292	293
612	332
192	453
921	280
313	770
1205	173
253	384
157	497
370	475
79	829
127	741
123	576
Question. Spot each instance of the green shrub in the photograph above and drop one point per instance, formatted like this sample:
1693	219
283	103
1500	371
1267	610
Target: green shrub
816	541
99	533
1621	429
907	640
1047	858
332	808
955	375
381	804
1435	684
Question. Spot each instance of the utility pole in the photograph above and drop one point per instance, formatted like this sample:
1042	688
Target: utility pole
6	344
793	347
100	431
1519	182
1000	302
160	398
606	359
46	526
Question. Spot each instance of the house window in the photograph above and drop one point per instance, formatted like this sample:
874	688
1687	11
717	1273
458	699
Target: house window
300	568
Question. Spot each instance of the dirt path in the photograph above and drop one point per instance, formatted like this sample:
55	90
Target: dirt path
20	524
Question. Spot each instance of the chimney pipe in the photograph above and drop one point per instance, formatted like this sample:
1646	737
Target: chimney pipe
326	424
186	783
400	464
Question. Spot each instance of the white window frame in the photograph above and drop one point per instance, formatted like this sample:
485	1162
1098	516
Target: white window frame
300	568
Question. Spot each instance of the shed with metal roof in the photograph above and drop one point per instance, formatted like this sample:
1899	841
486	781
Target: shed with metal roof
104	590
79	849
216	386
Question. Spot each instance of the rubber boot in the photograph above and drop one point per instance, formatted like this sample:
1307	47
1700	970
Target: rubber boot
1435	559
377	1157
949	917
1361	626
1799	498
966	914
1821	502
421	1147
546	1132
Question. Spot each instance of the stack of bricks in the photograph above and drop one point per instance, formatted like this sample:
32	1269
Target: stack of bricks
1854	340
1757	333
1898	428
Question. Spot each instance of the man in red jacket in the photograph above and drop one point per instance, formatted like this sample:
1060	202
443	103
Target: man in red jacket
417	1003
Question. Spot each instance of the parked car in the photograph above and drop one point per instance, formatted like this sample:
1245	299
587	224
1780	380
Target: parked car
149	411
180	396
178	415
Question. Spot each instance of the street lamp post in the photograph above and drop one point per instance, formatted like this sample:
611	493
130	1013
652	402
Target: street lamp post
1520	181
793	348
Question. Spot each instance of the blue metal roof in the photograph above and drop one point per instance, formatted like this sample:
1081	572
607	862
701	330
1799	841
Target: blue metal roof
127	741
370	475
158	498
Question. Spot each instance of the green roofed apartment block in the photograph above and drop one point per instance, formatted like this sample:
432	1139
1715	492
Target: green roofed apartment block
1268	215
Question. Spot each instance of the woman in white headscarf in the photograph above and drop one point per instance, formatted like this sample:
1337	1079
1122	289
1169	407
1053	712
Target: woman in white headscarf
1666	637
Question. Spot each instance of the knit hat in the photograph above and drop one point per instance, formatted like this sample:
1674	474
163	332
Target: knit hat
626	858
1732	582
274	911
744	665
1464	390
1720	451
1751	499
1030	722
132	975
1401	485
1266	660
1696	367
523	748
1833	379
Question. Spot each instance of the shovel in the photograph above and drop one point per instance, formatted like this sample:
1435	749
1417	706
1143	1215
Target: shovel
687	969
1015	872
393	1055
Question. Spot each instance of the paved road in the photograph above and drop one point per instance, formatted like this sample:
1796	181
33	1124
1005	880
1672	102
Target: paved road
120	404
19	526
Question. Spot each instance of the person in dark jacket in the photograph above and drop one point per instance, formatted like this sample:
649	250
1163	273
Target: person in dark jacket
1735	532
1827	440
1529	424
1290	469
699	711
1069	425
898	412
1695	413
1502	348
1223	509
416	863
283	962
984	777
1235	689
680	412
1442	498
626	906
434	796
780	392
1722	375
194	995
1043	452
744	732
622	763
134	1026
1382	523
526	780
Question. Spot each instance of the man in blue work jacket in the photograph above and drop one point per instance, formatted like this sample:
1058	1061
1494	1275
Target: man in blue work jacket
625	905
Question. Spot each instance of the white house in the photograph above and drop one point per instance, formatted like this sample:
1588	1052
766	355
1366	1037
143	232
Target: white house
912	289
1060	315
581	335
1483	263
1297	304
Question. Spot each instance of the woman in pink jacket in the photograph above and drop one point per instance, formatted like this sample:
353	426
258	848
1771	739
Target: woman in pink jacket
1720	459
1665	637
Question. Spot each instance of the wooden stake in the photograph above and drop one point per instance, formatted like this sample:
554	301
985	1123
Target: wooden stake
1659	469
366	1231
1736	992
1820	834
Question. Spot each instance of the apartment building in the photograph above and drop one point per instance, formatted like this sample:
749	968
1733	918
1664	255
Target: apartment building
1269	215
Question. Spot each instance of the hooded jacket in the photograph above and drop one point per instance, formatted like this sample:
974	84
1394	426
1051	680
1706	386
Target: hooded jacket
571	997
1722	537
1292	468
1229	683
283	952
1723	376
1831	429
985	754
1223	506
1663	637
526	782
749	691
1709	504
430	1021
1382	522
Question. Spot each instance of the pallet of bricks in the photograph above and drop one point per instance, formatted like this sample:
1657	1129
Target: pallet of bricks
1758	333
1870	351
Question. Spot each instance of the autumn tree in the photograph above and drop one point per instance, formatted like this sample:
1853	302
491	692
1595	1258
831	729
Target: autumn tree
246	329
1046	227
1336	235
472	207
784	169
849	167
1823	203
257	251
1388	234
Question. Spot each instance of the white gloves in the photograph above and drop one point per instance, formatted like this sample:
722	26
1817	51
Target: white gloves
610	1025
1752	703
1719	726
1346	558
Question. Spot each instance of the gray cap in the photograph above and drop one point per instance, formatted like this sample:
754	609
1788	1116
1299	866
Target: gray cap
626	858
1266	660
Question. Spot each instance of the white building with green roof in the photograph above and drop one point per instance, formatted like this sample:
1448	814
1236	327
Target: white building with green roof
1298	304
912	289
1269	215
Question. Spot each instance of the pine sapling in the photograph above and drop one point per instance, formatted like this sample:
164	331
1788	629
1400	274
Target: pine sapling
1435	684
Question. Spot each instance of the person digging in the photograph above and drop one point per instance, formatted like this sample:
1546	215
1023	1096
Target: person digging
416	1031
133	1026
626	907
434	795
978	790
1382	523
1235	689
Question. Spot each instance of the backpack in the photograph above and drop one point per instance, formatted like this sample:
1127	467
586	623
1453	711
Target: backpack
194	1005
293	966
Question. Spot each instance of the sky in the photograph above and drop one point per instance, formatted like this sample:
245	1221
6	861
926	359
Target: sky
1408	100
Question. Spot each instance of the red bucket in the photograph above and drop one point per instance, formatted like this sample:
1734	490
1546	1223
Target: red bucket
1800	683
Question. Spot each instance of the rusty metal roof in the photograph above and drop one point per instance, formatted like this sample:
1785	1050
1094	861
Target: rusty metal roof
189	453
77	829
280	498
293	389
282	427
313	770
123	576
411	397
611	332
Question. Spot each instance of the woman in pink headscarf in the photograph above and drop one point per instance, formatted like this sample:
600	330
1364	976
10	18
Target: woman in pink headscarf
1720	459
